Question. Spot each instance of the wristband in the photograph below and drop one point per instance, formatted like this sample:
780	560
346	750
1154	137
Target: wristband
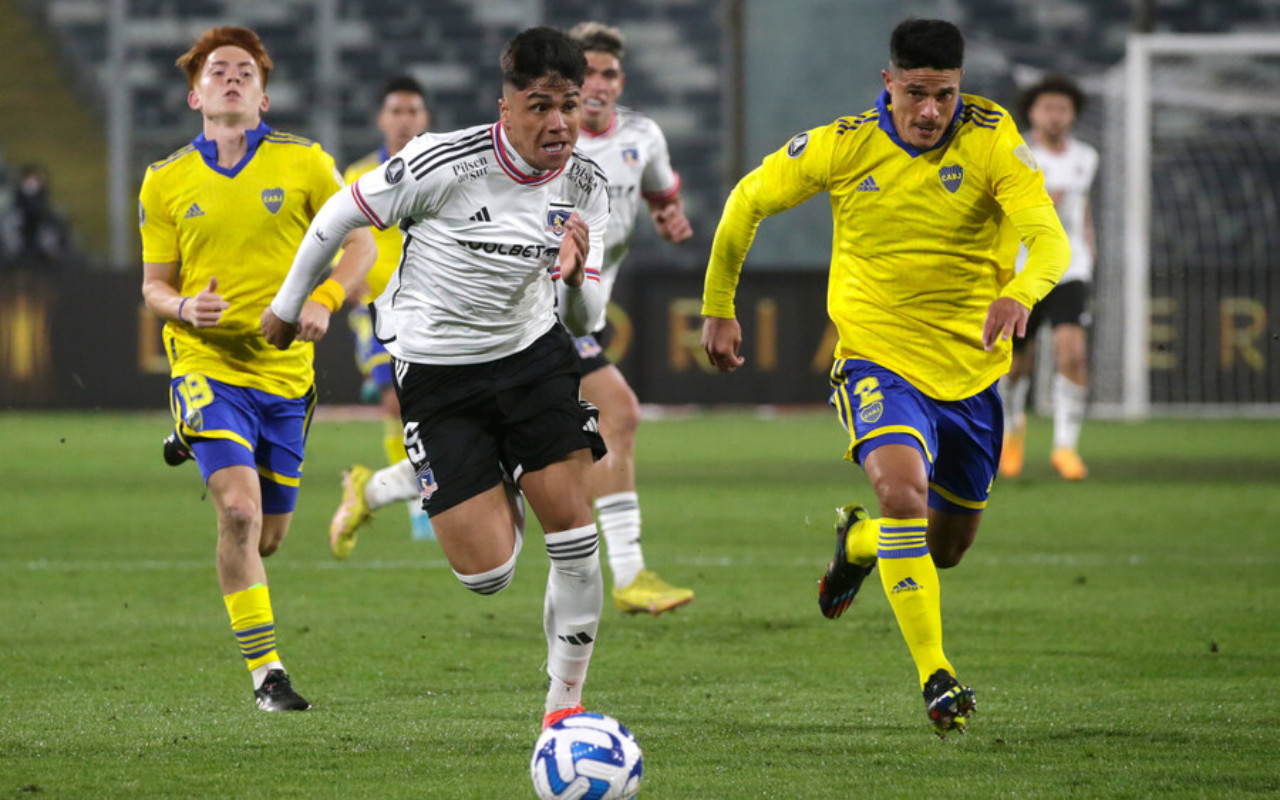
330	294
182	303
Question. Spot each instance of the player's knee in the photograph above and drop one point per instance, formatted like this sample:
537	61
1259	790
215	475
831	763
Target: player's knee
490	581
620	420
238	520
948	555
901	499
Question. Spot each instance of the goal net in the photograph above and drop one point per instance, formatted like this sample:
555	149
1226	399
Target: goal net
1190	207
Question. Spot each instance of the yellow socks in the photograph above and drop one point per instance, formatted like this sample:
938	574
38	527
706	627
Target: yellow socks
393	440
910	582
253	625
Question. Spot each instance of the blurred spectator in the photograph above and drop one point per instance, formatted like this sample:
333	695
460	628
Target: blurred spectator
34	235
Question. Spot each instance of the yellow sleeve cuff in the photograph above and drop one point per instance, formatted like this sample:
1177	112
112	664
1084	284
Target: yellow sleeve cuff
330	294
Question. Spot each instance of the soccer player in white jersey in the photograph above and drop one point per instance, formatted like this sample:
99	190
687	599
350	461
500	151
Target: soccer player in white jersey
1069	165
488	379
632	151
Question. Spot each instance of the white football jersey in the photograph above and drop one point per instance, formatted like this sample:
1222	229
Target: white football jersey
1068	175
482	232
633	154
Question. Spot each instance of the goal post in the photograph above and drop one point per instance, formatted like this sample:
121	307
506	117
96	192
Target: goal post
1200	221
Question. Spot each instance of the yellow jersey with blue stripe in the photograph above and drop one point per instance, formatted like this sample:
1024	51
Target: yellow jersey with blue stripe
923	242
241	225
390	240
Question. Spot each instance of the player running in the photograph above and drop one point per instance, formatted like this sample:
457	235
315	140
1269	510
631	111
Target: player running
220	221
1069	166
488	379
931	191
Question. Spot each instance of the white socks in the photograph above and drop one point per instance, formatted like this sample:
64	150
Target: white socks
1015	404
259	673
571	614
1068	412
619	516
392	484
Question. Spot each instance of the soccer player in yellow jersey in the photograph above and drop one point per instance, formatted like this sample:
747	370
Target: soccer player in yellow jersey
220	221
931	192
402	116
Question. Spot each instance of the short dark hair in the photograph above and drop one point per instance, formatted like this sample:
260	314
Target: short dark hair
540	53
404	83
926	44
596	37
1052	84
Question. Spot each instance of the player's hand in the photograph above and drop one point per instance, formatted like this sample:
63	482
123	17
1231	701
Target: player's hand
573	251
278	333
205	309
1005	317
721	338
671	223
314	322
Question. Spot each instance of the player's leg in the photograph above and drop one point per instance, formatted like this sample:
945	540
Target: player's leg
550	442
575	586
283	428
877	408
1071	382
613	483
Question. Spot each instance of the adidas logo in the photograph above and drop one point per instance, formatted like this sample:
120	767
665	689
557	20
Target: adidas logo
481	216
869	185
194	211
577	638
906	585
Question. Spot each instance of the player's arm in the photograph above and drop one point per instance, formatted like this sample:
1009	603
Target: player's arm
201	310
1048	254
581	257
1018	186
784	180
160	257
660	187
337	219
359	251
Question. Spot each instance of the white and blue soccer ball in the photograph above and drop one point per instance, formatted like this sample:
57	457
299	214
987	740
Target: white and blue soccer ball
587	757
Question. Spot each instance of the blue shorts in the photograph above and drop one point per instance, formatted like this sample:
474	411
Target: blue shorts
228	426
371	357
960	440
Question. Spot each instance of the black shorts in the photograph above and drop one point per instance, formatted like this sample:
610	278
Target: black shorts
591	349
468	424
1066	304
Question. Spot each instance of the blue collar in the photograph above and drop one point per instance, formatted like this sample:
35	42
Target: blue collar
383	154
209	150
886	125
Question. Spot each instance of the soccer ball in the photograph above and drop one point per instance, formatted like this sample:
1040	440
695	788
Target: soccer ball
586	757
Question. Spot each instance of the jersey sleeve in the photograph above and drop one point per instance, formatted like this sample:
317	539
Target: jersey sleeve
396	189
1016	179
159	233
784	180
659	181
325	179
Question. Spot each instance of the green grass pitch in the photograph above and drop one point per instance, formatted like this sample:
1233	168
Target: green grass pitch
1122	634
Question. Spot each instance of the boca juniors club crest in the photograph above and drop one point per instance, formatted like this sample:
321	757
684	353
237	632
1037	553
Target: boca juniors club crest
952	176
556	219
630	156
427	482
273	199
